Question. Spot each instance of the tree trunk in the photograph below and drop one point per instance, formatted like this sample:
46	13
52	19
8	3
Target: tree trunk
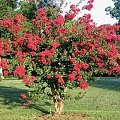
1	72
58	105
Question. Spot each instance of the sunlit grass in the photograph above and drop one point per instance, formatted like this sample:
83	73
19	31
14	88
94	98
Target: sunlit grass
101	101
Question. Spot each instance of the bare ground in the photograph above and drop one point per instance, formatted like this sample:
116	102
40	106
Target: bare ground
63	117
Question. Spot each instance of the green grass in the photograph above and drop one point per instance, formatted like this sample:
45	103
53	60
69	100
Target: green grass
101	101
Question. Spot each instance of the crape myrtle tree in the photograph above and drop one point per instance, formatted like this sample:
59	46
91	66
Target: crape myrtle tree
55	52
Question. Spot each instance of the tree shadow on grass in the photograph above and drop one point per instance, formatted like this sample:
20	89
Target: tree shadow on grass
11	96
40	108
109	83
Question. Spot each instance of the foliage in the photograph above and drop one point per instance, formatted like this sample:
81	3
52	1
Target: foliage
53	53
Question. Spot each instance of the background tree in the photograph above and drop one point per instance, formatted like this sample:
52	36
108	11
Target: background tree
7	7
27	9
115	11
53	3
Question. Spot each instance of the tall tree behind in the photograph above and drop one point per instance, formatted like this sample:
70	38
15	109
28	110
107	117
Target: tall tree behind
29	7
115	11
6	7
53	3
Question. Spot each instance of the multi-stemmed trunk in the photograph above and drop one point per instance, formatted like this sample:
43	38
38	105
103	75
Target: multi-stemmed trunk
58	105
58	101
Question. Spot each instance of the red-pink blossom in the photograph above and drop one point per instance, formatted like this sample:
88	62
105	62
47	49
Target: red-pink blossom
55	45
79	78
70	15
58	75
19	71
58	21
72	60
5	72
78	67
41	11
89	6
100	64
61	81
85	66
29	79
84	85
3	63
71	77
23	96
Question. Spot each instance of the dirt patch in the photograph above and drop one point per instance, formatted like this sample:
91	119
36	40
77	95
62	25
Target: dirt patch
63	117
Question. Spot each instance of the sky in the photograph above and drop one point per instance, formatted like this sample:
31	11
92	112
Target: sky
98	12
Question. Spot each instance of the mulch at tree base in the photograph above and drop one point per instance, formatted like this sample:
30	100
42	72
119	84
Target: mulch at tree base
71	116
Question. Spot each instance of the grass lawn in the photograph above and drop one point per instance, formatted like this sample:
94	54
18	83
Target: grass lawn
101	102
